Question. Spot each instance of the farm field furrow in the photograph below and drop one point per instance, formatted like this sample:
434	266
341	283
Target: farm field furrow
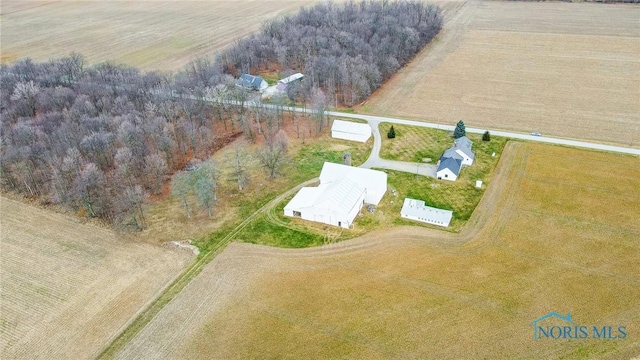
539	241
152	35
67	287
564	69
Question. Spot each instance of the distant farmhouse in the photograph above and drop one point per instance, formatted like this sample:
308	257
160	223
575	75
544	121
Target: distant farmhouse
454	157
252	82
416	210
348	130
342	192
281	87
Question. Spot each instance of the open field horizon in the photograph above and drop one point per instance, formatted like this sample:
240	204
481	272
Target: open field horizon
564	69
151	35
538	242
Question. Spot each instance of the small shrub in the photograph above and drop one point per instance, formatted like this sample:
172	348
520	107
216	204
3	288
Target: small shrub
486	136
391	134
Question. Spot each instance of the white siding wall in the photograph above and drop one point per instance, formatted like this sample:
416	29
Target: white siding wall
349	136
446	174
465	159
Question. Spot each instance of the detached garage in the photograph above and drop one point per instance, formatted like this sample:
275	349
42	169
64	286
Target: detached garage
342	192
416	210
348	130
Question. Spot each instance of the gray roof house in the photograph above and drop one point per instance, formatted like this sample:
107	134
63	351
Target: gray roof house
448	168
462	146
451	153
252	82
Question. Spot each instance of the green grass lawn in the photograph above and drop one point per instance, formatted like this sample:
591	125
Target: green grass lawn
413	144
410	144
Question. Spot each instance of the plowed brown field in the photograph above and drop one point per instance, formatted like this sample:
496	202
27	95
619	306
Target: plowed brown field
152	35
544	238
564	69
68	288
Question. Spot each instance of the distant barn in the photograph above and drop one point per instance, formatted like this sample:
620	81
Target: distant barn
290	79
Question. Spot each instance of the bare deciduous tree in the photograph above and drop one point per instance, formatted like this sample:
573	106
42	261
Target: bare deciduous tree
274	154
156	169
181	187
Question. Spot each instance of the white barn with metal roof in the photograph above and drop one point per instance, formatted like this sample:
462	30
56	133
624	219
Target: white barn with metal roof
342	192
348	130
416	210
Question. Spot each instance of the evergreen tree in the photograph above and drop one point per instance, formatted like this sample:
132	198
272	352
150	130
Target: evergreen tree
486	136
391	134
460	130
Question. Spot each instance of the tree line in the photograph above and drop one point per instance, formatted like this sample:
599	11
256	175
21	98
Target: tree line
102	139
346	50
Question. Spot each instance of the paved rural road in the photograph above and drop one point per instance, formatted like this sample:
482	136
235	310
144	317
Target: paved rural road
375	120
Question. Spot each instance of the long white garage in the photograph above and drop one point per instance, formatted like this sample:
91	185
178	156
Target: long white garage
348	130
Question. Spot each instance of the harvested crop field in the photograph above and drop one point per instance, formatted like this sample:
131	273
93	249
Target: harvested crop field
69	288
564	69
540	241
152	35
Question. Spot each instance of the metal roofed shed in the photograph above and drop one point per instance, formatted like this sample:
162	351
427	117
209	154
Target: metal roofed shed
416	210
348	130
342	193
290	79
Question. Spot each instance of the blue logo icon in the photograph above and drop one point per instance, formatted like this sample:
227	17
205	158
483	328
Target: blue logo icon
571	330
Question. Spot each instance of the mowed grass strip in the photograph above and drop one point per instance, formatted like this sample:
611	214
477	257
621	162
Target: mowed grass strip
414	143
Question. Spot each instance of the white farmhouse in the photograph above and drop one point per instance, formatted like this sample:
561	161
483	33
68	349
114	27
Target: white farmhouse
454	157
449	168
416	210
462	146
348	130
342	192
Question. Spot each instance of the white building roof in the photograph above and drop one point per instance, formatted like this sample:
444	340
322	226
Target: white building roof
306	197
291	78
374	181
340	195
351	127
416	210
341	186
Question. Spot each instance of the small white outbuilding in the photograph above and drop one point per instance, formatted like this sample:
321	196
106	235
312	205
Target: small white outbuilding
416	210
348	130
342	192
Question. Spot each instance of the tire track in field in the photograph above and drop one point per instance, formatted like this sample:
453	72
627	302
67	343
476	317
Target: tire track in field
173	290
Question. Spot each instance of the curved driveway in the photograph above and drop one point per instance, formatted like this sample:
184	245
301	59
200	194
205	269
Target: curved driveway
374	160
